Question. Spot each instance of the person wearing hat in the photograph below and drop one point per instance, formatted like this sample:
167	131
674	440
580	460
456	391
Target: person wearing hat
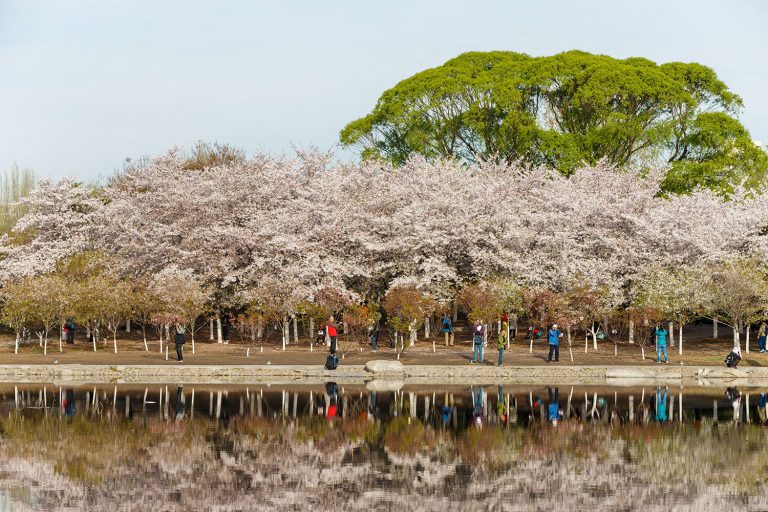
553	338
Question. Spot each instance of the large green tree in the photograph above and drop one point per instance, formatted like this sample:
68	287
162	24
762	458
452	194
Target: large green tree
564	111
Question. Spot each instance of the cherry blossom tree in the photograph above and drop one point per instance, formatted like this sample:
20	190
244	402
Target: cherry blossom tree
734	291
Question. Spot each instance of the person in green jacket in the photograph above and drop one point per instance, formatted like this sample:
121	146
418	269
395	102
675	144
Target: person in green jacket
502	343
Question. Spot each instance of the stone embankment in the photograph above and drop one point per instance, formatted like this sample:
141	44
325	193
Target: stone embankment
386	374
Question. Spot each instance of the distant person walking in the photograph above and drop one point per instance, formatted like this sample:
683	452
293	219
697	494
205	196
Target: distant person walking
332	331
179	342
69	331
502	342
661	344
553	339
761	337
478	332
225	328
447	329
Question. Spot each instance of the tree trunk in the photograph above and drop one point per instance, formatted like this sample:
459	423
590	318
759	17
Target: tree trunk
211	326
94	340
144	335
680	340
260	329
746	338
714	327
285	333
45	346
192	334
219	336
631	332
311	329
736	340
127	326
570	346
426	327
114	338
594	337
253	334
455	313
295	330
672	334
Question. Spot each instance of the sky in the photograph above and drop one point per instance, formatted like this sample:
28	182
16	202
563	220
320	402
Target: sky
85	84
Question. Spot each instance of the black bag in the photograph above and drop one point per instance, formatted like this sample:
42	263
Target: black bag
732	359
332	362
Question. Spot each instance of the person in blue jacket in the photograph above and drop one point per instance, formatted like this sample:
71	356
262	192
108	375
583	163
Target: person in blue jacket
553	338
661	344
478	337
447	329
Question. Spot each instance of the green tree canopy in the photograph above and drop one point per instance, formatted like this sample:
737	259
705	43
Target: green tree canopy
564	111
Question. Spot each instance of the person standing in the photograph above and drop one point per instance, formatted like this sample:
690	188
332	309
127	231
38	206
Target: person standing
661	344
332	331
512	326
502	343
761	337
447	329
225	328
375	337
553	339
71	331
179	341
478	332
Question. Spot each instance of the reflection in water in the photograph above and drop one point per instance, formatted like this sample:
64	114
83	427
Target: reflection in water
331	446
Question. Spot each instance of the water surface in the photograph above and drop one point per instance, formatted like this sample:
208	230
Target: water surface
169	447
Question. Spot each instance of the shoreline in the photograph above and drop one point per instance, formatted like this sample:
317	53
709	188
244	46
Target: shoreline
75	374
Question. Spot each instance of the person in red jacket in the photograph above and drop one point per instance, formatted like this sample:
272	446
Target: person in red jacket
331	328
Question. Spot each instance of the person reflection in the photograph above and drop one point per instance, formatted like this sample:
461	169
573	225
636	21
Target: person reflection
180	405
501	406
762	413
477	407
332	390
554	414
733	396
68	405
373	407
661	404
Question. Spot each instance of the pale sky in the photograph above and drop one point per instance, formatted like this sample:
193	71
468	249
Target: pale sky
86	83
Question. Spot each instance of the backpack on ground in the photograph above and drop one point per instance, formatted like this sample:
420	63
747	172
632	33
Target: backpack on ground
332	362
732	359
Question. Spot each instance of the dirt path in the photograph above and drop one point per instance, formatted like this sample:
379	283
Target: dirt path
702	352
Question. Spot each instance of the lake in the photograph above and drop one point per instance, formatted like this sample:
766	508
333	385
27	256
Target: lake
352	447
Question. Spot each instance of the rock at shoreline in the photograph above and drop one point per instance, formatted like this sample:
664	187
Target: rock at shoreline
382	367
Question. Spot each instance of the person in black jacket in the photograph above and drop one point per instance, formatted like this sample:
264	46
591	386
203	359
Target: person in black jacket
179	340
